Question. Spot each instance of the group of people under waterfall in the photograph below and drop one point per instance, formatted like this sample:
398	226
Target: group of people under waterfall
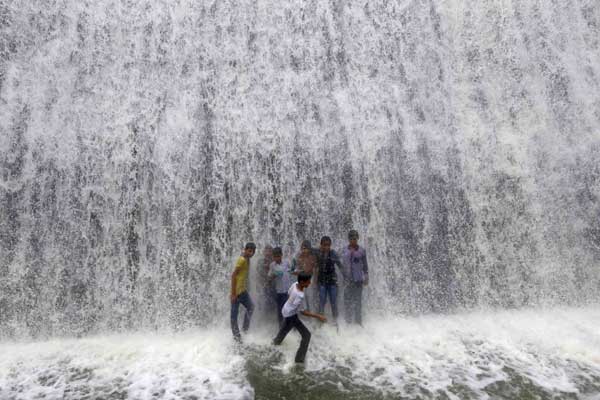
302	285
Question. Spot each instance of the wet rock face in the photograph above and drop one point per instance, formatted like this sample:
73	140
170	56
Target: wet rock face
142	144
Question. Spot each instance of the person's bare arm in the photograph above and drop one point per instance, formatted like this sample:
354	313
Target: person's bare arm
314	315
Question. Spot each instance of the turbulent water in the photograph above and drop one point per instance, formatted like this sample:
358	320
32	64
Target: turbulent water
143	142
551	354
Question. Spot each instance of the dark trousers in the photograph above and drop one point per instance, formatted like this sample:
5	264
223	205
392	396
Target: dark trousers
288	324
353	302
331	291
280	298
244	299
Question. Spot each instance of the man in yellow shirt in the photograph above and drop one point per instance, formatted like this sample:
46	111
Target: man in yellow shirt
239	291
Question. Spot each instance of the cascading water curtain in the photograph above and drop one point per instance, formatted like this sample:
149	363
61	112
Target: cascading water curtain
143	142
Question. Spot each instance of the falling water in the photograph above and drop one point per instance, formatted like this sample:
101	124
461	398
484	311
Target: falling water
143	142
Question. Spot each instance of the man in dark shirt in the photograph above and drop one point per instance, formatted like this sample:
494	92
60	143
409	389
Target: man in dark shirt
327	259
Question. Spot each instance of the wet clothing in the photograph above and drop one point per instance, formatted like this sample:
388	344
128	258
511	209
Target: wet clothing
312	297
280	274
326	268
242	266
356	272
331	291
291	308
244	299
353	302
356	268
294	322
327	280
294	303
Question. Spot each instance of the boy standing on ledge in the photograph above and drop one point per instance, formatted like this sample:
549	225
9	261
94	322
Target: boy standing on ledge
327	259
354	258
239	291
291	308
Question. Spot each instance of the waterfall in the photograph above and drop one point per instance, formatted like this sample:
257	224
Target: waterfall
142	143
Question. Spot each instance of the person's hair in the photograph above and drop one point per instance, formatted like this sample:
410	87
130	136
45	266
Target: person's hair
268	247
250	245
325	239
304	277
277	251
305	244
353	234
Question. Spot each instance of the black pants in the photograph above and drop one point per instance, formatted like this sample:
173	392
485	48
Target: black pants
288	324
353	302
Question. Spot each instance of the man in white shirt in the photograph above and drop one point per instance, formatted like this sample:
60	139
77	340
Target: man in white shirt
291	308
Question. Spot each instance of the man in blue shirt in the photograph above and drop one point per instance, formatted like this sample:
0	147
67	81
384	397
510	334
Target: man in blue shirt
356	273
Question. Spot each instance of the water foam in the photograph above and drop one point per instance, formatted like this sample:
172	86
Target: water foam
554	350
137	366
472	355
